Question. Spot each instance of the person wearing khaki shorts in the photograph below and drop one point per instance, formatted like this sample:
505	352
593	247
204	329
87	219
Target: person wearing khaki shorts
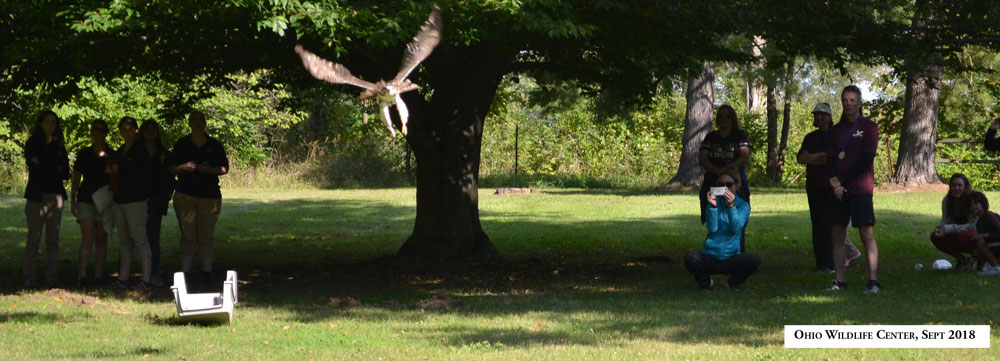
90	203
198	160
48	166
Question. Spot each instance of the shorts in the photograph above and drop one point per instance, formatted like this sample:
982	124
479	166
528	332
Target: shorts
856	209
87	212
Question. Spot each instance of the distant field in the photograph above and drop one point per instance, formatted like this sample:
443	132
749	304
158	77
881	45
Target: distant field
587	274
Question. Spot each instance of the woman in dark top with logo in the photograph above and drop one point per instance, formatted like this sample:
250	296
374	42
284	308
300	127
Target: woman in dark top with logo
198	160
161	187
91	163
48	166
726	148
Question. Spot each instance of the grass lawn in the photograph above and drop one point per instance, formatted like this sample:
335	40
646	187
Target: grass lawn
587	274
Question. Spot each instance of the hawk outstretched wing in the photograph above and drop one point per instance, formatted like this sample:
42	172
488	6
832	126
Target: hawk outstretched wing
422	45
323	69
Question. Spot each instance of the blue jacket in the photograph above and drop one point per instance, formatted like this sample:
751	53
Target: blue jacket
725	227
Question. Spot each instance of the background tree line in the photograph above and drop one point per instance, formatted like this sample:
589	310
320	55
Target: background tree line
621	57
317	136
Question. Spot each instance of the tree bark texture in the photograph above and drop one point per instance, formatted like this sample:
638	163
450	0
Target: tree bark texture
700	96
754	92
917	140
446	137
786	119
772	132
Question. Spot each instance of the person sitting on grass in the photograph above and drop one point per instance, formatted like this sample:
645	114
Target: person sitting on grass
725	217
987	231
953	235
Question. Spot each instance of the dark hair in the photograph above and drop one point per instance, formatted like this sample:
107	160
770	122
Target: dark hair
958	209
736	121
737	181
979	197
38	135
158	142
197	113
854	89
128	120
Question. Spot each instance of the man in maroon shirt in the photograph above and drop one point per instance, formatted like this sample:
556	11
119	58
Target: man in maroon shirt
850	158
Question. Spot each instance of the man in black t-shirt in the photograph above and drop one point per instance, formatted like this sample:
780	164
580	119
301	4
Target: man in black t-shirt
818	190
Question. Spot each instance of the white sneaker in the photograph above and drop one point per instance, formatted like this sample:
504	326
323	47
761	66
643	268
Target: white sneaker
993	271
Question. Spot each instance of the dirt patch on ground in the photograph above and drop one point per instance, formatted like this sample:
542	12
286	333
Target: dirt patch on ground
65	296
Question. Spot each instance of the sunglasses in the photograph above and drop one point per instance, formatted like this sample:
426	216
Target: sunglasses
98	129
725	184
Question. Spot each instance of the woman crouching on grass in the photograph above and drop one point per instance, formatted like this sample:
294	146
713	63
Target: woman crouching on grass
725	217
953	235
987	232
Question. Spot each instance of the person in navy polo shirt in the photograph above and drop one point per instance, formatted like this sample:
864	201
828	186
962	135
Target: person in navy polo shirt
850	155
198	160
813	155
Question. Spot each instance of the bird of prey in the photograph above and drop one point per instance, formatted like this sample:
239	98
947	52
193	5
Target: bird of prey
386	93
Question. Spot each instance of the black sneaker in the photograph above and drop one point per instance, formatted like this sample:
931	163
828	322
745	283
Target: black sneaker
837	286
157	281
140	286
825	270
118	284
873	287
709	288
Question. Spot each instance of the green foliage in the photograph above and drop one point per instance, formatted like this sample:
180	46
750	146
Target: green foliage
249	116
573	142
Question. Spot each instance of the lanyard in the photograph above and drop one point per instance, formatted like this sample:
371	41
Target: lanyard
845	139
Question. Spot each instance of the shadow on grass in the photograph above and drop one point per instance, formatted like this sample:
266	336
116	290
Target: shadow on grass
28	317
138	352
566	280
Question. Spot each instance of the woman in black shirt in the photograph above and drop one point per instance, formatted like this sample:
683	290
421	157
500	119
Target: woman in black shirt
48	166
92	215
161	187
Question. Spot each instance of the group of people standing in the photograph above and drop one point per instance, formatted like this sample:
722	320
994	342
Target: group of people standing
839	161
128	189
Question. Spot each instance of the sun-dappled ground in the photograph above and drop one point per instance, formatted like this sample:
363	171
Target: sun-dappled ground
586	274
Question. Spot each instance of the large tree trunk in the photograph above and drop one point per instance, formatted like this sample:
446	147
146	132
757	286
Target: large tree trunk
754	92
700	96
915	163
772	130
446	136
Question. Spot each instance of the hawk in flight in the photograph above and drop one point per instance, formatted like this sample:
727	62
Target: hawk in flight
386	93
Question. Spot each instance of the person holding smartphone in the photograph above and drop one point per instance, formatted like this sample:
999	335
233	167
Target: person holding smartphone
726	215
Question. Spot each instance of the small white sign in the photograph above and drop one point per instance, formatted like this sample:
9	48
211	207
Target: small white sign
896	336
